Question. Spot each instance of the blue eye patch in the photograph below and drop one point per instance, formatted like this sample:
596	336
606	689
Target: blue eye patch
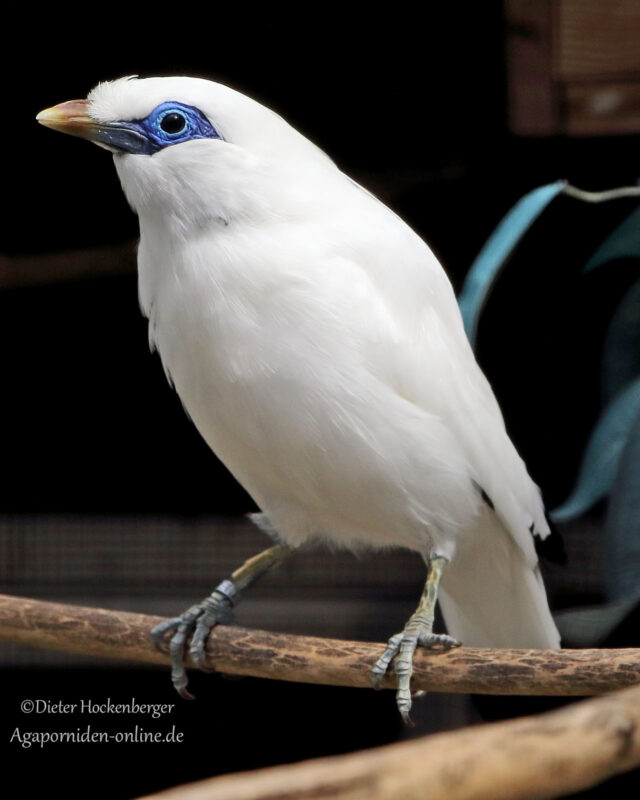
172	123
168	124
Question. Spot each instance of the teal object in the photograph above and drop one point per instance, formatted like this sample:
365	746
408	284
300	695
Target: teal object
621	349
590	626
495	253
602	455
622	529
610	465
623	242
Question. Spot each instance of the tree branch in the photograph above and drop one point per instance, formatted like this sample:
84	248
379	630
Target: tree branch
307	659
545	756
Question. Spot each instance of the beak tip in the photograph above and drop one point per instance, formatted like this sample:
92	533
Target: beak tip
70	117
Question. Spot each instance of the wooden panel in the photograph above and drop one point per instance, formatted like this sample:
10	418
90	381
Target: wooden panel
573	67
534	108
598	39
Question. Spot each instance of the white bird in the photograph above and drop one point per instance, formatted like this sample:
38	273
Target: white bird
316	343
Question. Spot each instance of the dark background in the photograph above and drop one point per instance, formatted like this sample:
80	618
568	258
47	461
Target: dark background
413	107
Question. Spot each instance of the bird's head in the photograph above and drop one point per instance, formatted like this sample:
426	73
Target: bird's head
189	149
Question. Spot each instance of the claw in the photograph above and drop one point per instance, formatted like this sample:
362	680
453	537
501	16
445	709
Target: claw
184	693
406	718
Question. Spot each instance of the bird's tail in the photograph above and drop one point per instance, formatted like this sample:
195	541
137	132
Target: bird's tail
491	597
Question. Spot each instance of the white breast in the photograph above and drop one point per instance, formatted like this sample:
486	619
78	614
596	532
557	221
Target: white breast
279	347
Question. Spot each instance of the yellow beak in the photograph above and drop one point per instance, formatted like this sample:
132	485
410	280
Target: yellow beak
70	117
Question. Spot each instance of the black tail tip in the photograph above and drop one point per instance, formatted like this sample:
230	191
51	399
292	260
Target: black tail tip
552	548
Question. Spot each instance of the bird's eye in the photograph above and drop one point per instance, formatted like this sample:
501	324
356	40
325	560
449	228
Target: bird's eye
173	123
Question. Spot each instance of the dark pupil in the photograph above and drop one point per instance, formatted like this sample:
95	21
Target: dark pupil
172	123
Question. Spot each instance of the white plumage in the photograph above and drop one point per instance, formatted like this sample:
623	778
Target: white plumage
316	343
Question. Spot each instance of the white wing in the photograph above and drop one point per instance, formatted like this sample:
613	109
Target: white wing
427	359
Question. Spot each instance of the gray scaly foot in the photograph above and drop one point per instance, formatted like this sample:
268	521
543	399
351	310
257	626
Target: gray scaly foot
197	621
418	631
400	650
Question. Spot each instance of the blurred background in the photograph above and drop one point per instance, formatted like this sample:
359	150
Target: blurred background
109	496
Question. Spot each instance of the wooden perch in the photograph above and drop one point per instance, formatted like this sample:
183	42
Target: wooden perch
549	755
307	659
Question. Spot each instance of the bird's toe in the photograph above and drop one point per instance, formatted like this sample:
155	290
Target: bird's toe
403	667
437	641
157	634
214	611
379	669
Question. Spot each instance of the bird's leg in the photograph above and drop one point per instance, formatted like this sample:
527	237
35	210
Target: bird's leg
417	631
201	618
